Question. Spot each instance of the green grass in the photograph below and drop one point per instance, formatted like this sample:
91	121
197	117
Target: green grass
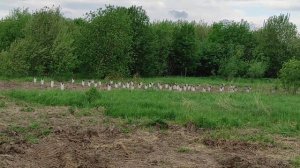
296	162
31	133
272	113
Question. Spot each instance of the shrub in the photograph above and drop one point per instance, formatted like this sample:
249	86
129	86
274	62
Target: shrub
290	75
92	94
256	69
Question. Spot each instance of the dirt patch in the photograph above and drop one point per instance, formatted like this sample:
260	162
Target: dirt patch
95	141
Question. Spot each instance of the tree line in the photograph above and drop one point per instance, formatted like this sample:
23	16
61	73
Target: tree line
122	42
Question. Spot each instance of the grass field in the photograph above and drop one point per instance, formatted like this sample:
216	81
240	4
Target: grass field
226	119
273	113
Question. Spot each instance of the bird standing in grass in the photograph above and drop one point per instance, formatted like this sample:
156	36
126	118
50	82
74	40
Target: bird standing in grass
82	83
62	86
52	84
34	80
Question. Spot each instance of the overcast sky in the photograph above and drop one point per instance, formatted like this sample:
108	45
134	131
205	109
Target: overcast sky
254	11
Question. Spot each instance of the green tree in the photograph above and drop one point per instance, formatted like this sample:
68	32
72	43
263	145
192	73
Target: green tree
276	43
290	76
11	27
183	57
107	42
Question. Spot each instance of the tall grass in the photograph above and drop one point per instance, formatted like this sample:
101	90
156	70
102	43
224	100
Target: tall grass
272	113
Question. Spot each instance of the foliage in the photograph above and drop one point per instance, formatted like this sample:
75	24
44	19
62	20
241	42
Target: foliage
290	76
276	43
274	114
118	42
92	94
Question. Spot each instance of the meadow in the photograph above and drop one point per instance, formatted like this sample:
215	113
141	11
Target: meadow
225	120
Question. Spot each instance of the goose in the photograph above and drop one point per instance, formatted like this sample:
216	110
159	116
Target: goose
145	87
62	86
248	89
34	80
209	88
160	87
193	89
184	88
95	84
127	85
108	88
92	81
42	81
82	83
99	83
203	90
89	84
140	86
221	88
52	84
111	82
166	86
116	85
73	81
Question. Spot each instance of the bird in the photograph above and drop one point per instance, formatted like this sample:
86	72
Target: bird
42	81
34	80
248	89
73	81
52	84
82	83
62	86
95	84
108	88
89	84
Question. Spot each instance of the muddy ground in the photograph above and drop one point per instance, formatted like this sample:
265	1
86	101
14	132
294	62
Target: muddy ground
33	136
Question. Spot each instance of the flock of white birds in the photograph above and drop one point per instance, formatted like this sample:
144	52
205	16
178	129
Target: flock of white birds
143	86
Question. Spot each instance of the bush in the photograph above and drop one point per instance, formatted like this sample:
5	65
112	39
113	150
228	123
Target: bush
256	69
92	94
290	75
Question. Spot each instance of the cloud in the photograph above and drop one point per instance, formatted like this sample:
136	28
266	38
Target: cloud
179	14
254	11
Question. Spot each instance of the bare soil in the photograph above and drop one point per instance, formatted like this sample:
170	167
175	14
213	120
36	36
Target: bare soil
95	141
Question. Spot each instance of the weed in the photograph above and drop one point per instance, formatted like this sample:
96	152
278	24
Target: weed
296	162
183	150
27	109
2	104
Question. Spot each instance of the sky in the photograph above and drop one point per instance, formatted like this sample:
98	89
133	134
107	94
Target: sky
209	11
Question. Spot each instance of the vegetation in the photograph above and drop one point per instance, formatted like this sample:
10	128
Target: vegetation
290	75
119	42
271	113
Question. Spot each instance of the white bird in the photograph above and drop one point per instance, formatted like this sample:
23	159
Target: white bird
193	89
92	81
52	84
89	84
62	86
73	81
109	88
42	81
248	89
95	84
99	83
82	83
34	80
209	88
111	82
